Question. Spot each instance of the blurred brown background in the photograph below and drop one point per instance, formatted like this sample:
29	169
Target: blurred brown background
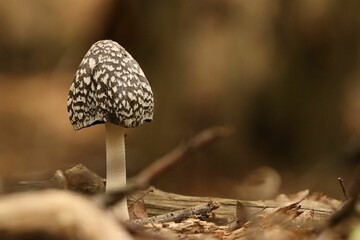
284	74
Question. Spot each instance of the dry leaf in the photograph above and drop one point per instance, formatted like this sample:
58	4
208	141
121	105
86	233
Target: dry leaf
241	217
137	210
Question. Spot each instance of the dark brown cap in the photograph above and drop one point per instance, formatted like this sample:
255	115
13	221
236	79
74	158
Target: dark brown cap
109	86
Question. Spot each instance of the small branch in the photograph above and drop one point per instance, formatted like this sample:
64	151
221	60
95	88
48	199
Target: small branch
144	178
341	181
349	207
163	164
141	197
201	211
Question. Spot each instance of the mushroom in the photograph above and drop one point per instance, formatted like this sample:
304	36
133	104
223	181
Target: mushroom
109	87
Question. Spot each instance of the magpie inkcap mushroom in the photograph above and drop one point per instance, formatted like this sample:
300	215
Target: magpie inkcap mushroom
110	88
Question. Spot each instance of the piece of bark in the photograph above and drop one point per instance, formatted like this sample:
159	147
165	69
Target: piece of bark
53	214
158	202
81	179
77	178
202	211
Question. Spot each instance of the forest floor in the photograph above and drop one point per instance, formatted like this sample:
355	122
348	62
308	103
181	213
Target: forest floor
155	214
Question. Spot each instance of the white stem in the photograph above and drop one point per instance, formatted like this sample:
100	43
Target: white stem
115	164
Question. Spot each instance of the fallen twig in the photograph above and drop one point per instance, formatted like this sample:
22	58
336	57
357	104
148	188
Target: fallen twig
141	197
341	182
349	207
201	211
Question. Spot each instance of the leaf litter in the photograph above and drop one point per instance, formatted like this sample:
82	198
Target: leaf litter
289	221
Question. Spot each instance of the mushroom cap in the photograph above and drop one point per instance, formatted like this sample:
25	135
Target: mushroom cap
109	86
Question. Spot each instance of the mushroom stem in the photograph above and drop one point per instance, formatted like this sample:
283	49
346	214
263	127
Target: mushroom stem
116	165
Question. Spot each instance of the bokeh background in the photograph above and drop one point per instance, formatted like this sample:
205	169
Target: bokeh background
284	74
